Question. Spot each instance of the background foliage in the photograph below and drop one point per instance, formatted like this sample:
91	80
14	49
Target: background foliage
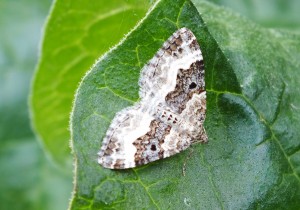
28	179
71	44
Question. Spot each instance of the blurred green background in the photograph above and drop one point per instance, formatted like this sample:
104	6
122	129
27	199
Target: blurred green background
283	14
29	180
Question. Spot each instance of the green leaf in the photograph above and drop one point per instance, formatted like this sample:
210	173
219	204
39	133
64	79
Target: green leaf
77	33
252	160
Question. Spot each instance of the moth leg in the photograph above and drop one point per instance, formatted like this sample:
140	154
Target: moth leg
185	161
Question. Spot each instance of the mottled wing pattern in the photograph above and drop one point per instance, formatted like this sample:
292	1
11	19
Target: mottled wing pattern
158	76
171	112
118	150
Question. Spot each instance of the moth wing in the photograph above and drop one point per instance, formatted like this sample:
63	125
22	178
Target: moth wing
159	74
194	116
135	138
174	78
118	149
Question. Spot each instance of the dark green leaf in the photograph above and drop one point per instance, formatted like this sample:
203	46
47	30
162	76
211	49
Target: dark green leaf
253	111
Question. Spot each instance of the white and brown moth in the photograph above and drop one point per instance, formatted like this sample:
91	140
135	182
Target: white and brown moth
170	115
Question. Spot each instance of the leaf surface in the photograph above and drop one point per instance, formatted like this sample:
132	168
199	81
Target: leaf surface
252	158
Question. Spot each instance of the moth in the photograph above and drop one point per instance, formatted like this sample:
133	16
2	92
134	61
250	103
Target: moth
170	114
